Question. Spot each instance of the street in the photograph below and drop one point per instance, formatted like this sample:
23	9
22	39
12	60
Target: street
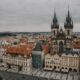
38	75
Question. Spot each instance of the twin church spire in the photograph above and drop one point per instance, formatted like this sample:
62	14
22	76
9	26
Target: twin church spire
55	22
62	39
68	23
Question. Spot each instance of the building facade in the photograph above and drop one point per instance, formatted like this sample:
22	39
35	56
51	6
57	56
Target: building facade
61	56
16	58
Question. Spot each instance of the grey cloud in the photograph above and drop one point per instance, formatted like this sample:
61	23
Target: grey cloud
35	15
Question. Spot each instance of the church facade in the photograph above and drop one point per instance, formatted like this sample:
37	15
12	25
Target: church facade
62	56
62	40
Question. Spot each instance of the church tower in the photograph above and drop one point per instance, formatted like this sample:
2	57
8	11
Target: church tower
54	30
68	26
54	26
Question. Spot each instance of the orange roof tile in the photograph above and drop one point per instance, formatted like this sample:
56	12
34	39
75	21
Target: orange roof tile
45	48
76	44
20	49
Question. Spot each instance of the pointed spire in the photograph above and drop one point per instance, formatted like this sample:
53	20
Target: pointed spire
68	23
55	17
68	13
54	23
68	18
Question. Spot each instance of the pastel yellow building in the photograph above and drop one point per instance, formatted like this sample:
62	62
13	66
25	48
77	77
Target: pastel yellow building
65	62
62	56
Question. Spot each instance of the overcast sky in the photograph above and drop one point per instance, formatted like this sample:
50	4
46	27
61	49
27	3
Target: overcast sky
36	15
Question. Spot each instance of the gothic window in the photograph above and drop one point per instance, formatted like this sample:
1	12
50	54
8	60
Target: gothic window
68	32
1	60
54	32
61	47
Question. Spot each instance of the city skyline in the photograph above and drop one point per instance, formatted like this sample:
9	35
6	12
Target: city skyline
34	15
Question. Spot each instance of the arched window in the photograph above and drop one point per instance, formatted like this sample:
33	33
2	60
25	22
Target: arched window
19	68
1	60
50	66
66	68
62	67
60	47
68	32
54	32
70	69
54	67
75	70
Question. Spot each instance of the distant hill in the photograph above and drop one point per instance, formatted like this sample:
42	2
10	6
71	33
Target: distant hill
3	34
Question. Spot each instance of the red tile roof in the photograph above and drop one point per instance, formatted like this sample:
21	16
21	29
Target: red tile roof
45	48
20	49
76	44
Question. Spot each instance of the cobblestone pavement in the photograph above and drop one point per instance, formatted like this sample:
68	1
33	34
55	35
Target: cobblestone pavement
36	74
